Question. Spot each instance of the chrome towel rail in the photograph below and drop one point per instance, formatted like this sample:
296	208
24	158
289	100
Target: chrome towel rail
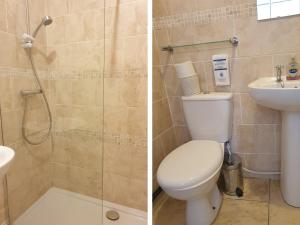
170	48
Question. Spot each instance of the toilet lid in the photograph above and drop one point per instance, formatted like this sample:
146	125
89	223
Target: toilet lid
190	164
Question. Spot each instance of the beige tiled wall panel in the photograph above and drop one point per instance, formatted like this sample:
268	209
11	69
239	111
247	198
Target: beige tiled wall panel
263	45
76	44
29	176
71	51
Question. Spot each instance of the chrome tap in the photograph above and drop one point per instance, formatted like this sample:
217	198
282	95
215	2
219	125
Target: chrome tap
279	72
279	75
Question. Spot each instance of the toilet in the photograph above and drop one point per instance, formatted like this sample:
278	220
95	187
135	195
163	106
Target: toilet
191	171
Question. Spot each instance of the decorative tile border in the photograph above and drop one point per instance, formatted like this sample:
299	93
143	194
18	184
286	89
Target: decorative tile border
126	73
125	139
205	16
72	75
77	75
119	139
13	72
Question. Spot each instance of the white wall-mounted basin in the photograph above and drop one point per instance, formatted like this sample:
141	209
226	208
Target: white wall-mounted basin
285	97
269	93
6	157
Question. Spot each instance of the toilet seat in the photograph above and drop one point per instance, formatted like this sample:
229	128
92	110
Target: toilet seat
190	164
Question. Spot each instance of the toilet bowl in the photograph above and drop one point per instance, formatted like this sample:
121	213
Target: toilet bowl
190	173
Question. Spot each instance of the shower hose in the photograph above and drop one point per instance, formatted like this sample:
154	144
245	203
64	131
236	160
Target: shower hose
41	91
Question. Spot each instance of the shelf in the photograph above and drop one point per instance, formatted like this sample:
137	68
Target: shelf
170	48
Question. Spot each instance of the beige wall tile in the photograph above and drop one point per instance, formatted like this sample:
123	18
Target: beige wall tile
76	179
165	120
158	85
3	22
121	21
117	159
253	113
111	188
160	8
263	162
16	12
56	32
57	8
141	9
24	196
12	121
6	93
177	111
9	49
274	36
81	56
176	6
158	154
246	70
80	6
133	92
84	26
3	199
155	119
182	134
254	139
172	83
168	140
138	194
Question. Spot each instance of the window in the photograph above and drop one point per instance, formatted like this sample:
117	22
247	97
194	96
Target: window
267	9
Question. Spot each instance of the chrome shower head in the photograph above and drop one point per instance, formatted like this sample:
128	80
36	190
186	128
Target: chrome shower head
47	20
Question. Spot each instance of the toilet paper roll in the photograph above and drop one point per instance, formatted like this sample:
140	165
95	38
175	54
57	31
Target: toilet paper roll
190	85
185	69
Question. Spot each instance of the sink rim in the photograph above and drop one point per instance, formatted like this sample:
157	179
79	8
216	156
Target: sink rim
270	83
8	155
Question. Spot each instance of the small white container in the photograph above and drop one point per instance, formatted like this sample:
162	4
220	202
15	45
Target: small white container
188	78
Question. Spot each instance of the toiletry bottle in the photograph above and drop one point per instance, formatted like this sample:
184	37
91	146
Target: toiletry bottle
293	70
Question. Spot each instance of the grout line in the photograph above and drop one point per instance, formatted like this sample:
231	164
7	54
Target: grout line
247	200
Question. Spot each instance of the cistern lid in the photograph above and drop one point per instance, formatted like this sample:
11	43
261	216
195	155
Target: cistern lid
212	96
190	164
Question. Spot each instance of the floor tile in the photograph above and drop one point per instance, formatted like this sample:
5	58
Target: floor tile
172	213
280	212
233	212
255	208
242	212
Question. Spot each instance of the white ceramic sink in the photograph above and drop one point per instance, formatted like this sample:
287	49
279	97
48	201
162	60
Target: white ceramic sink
269	93
6	157
285	98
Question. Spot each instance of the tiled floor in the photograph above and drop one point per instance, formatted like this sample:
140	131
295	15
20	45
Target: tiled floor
262	204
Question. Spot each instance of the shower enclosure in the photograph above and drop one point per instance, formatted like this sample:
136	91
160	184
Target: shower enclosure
73	107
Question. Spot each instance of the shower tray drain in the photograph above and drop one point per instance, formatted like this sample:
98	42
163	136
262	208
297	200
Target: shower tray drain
112	215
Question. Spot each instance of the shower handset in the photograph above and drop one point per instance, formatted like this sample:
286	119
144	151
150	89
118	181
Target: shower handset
27	43
27	40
